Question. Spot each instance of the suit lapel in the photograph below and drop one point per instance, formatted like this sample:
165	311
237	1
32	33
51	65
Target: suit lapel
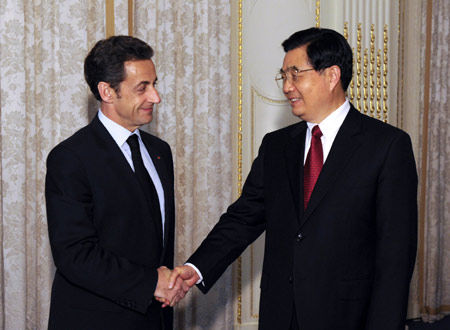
344	146
295	151
113	155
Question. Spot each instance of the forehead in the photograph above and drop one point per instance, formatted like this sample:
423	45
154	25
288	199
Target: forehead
142	70
296	57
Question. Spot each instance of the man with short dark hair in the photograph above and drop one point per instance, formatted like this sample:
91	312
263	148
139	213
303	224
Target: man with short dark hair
110	202
336	197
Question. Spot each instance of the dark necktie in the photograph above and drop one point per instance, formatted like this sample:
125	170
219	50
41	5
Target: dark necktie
146	182
313	164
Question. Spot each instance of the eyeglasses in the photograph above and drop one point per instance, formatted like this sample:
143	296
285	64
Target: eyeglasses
291	74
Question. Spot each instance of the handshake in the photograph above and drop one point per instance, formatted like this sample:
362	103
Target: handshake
174	284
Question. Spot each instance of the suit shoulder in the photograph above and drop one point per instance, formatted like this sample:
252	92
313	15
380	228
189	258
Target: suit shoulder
378	127
76	139
76	144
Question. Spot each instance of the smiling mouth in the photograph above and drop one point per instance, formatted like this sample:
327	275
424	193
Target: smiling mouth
294	99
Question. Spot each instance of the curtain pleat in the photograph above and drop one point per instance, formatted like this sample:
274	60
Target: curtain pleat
435	270
44	99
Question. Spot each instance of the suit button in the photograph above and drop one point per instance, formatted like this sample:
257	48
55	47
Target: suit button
290	279
299	237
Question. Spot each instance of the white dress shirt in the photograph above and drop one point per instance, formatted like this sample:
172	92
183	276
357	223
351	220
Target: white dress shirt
329	128
120	134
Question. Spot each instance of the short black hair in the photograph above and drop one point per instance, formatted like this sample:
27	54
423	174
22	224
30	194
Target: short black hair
105	61
325	48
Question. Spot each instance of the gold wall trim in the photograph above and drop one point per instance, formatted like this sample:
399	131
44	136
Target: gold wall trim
265	98
110	24
385	73
130	17
401	61
372	70
368	89
239	152
318	13
423	173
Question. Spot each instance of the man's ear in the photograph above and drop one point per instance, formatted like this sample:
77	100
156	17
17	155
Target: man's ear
334	76
105	91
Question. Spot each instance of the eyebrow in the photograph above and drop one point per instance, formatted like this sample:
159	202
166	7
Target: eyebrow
289	68
145	82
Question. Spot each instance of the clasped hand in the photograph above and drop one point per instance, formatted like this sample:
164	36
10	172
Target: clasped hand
174	284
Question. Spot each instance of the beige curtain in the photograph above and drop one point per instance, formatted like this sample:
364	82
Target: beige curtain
43	100
192	44
434	254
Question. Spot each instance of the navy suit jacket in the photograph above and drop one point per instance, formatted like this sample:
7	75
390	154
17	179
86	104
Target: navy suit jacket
344	263
104	243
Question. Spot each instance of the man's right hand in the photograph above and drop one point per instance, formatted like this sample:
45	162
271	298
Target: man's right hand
167	294
185	273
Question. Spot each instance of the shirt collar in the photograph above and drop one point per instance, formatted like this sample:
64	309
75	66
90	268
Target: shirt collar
331	124
119	133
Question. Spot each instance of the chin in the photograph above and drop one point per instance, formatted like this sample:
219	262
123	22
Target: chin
298	113
147	120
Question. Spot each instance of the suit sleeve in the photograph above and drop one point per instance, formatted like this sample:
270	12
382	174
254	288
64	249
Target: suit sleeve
396	237
76	250
237	228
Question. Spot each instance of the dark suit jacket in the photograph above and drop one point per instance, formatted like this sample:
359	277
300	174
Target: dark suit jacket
346	261
103	240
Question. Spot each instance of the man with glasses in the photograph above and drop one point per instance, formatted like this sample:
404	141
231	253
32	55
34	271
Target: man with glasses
336	196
